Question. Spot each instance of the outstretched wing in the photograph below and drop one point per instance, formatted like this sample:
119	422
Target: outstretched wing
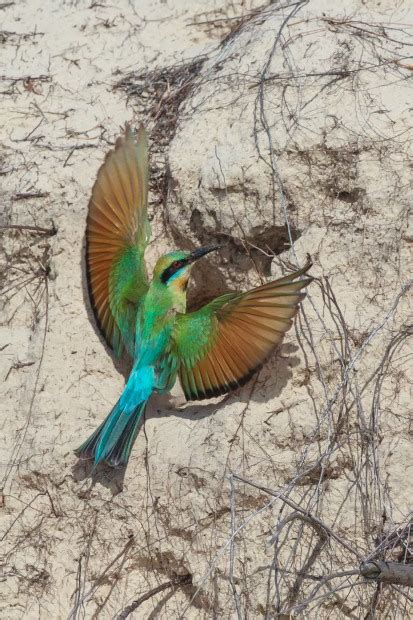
117	233
221	346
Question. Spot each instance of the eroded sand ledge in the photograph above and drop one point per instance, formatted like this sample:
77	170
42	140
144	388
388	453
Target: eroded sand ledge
267	126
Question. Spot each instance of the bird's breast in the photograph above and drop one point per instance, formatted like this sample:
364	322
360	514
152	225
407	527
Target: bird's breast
153	336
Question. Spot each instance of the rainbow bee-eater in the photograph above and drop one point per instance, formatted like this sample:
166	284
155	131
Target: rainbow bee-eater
213	350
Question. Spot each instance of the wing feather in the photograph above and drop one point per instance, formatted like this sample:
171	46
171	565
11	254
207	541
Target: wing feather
218	371
221	346
117	233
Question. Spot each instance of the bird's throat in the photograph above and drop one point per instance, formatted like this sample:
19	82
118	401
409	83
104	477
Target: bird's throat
178	290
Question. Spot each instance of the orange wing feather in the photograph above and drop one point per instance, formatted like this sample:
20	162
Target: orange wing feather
223	344
117	232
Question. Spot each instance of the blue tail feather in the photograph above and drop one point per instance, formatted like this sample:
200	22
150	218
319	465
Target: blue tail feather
113	440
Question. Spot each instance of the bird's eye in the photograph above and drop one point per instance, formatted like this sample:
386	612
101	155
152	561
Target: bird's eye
176	264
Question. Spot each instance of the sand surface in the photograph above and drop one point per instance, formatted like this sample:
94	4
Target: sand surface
280	132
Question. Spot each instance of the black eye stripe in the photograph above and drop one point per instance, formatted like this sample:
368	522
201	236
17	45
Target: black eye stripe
173	268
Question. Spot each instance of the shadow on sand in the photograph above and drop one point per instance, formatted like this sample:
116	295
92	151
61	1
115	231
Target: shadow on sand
162	406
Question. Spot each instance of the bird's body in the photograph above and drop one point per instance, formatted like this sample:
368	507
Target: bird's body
213	350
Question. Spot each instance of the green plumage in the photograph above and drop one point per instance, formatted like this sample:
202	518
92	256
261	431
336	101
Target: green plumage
213	350
128	283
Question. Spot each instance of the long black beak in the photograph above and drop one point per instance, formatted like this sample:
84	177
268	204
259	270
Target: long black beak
200	252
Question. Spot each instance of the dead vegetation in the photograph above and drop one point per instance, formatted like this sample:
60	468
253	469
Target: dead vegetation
156	97
316	554
348	422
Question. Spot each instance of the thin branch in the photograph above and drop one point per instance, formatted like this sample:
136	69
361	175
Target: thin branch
302	511
176	582
35	229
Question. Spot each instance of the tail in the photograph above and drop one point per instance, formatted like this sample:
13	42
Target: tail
113	440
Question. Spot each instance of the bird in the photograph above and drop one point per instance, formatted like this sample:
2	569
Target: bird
213	350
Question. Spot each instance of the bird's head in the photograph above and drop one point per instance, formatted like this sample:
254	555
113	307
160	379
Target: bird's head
173	269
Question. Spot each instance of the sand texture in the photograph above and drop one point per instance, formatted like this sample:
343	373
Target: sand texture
279	131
